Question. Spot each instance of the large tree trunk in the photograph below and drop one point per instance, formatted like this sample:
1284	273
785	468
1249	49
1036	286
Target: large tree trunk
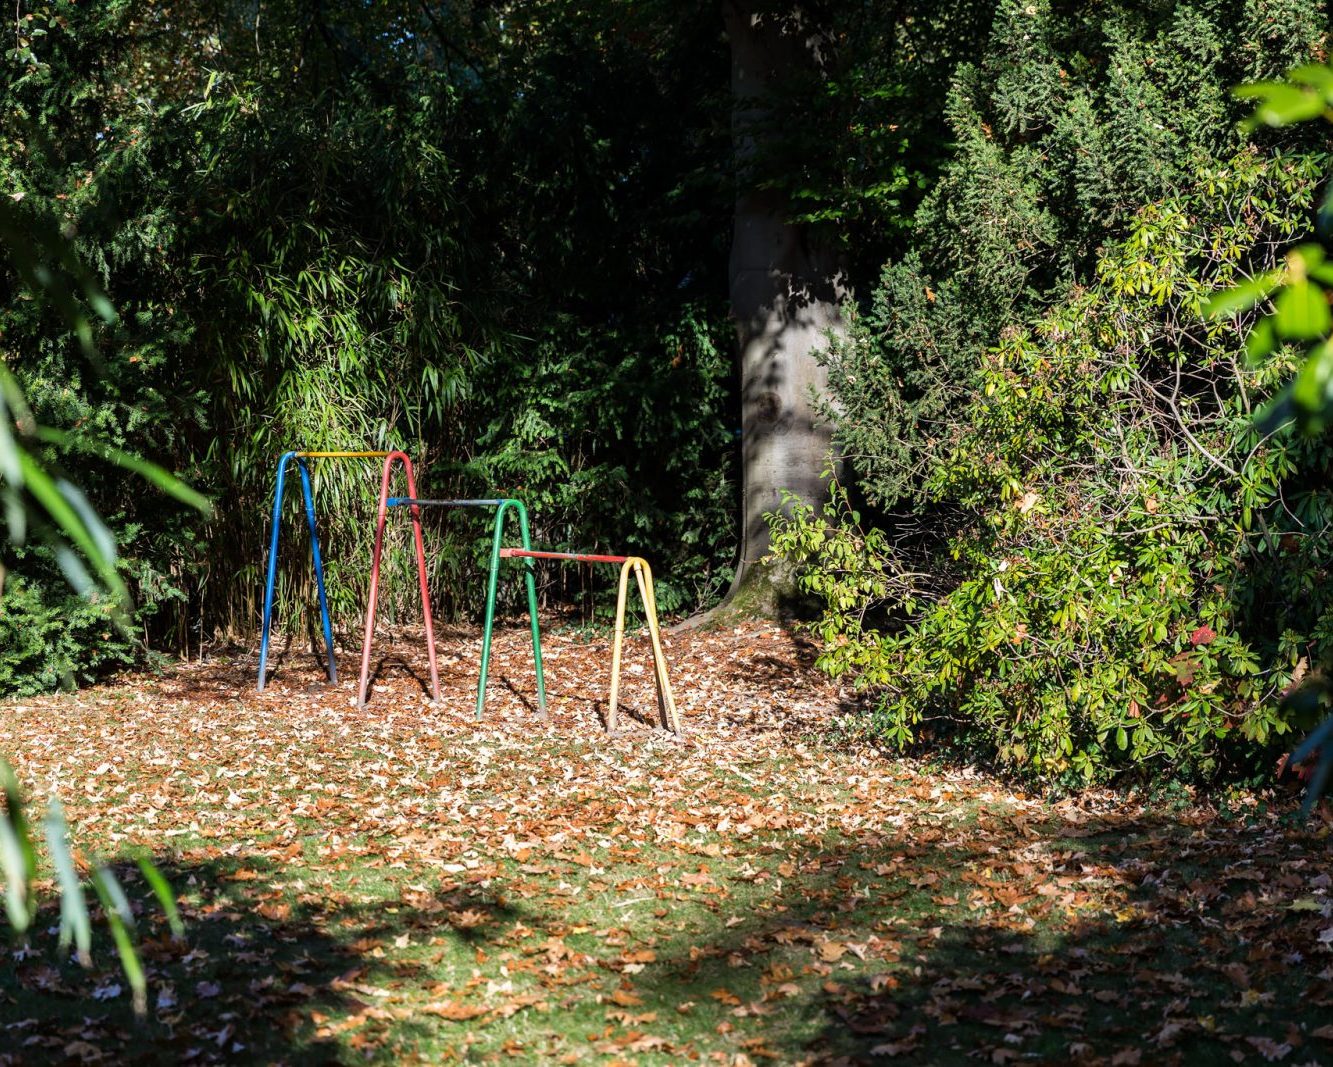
785	293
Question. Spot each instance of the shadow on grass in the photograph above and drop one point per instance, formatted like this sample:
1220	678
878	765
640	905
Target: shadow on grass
1085	939
398	664
270	970
1116	941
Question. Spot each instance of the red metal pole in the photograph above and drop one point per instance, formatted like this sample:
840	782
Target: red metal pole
374	581
421	579
581	557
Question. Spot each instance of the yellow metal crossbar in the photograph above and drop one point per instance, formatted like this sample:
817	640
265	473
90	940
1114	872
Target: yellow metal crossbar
341	455
643	576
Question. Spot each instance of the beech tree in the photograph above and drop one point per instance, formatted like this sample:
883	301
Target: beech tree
838	132
786	286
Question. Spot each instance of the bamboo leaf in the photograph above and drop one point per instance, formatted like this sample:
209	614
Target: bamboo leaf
18	883
165	896
92	522
116	897
154	474
1315	788
111	897
74	922
71	566
44	488
18	858
10	468
1316	739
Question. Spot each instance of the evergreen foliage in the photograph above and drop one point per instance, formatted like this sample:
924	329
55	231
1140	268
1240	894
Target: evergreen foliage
398	226
496	236
1133	572
1093	558
1070	119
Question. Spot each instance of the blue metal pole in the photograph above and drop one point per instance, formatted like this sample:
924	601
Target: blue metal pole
319	567
272	564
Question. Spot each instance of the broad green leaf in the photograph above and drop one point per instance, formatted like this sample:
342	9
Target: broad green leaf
1317	76
1280	104
1305	257
1302	311
1311	388
1276	414
1241	297
1261	340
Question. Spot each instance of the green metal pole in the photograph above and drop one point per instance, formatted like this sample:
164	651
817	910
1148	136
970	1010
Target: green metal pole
530	579
492	582
492	588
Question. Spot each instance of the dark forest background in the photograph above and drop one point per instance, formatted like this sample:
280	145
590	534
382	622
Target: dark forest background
496	235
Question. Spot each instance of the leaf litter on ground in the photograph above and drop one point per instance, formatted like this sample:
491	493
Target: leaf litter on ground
401	883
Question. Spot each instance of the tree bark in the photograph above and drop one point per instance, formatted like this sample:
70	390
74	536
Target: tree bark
786	291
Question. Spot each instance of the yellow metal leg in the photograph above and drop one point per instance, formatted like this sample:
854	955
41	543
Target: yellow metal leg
670	717
644	596
616	644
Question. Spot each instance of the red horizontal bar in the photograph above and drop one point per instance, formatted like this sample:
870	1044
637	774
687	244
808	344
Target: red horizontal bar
580	557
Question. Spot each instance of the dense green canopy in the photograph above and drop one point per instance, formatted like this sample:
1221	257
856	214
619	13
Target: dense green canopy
497	235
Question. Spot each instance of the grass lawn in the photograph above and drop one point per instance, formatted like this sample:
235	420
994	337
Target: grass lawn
402	884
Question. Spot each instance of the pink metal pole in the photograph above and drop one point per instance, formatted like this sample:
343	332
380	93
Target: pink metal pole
421	579
375	578
374	583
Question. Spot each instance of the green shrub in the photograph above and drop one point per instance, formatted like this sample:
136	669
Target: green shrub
620	443
54	637
1132	577
1070	118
